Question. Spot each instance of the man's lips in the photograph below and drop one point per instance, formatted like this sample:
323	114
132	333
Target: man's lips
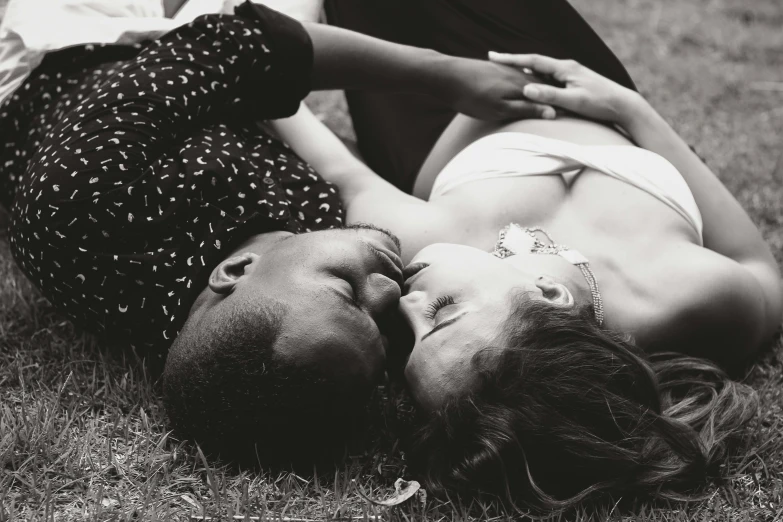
396	259
410	272
391	262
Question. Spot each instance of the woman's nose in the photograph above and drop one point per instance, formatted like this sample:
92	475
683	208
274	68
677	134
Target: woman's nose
382	294
410	303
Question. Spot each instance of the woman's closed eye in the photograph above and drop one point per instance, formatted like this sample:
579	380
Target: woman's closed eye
441	302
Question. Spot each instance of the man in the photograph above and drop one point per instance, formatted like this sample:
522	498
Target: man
146	204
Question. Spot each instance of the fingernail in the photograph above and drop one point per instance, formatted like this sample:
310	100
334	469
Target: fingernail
531	91
548	114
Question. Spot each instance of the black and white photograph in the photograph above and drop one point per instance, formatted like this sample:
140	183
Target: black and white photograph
391	260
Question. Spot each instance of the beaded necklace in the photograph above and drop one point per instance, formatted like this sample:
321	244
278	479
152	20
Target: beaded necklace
514	238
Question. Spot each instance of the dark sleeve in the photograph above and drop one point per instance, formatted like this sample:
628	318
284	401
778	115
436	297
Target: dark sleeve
254	64
291	68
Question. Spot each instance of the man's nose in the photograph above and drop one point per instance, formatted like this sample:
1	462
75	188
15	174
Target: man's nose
381	295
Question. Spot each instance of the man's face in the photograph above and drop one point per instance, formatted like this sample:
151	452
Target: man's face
339	287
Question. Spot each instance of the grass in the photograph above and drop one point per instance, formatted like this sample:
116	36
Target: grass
83	436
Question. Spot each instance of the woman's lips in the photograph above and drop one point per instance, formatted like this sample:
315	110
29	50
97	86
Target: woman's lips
413	269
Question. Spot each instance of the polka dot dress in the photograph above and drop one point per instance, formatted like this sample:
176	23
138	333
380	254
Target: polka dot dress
131	172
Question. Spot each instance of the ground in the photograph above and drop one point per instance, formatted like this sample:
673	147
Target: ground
83	436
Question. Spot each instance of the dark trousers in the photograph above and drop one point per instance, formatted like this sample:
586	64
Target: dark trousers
395	132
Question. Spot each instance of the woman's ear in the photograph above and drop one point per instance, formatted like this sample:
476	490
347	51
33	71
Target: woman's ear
555	292
225	276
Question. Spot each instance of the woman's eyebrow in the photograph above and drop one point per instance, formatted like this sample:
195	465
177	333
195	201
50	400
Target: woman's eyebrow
444	324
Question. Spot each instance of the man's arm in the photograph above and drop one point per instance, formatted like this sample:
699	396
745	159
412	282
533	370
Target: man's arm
171	7
348	60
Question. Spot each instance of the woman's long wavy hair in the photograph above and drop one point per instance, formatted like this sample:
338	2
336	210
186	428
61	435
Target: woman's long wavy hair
567	411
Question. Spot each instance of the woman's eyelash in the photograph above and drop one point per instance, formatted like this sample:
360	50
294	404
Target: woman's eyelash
436	305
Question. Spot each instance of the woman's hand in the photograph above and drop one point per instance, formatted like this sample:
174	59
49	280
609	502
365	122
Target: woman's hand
490	91
585	92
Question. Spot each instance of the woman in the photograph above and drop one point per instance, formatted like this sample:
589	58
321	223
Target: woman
546	373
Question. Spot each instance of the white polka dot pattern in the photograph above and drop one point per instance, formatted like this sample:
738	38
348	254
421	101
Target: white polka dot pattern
131	172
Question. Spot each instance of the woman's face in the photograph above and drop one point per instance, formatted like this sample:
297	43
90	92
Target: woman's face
456	301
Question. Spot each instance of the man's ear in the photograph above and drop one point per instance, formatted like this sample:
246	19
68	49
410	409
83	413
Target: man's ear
225	276
555	292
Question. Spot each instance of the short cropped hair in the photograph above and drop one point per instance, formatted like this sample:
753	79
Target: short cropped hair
566	410
226	388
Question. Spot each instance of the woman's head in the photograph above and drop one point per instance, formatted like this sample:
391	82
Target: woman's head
457	300
540	405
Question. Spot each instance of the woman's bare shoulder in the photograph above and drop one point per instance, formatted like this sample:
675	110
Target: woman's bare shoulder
702	303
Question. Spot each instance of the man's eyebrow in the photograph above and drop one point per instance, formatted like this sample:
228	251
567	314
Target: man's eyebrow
444	324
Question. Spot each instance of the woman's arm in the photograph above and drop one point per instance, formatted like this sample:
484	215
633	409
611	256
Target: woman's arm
367	197
728	230
324	151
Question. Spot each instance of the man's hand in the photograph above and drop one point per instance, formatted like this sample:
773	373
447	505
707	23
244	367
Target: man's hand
584	91
491	91
348	60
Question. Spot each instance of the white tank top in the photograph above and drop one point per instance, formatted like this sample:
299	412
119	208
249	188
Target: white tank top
516	154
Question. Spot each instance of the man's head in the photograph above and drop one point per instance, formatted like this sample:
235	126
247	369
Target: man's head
283	347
